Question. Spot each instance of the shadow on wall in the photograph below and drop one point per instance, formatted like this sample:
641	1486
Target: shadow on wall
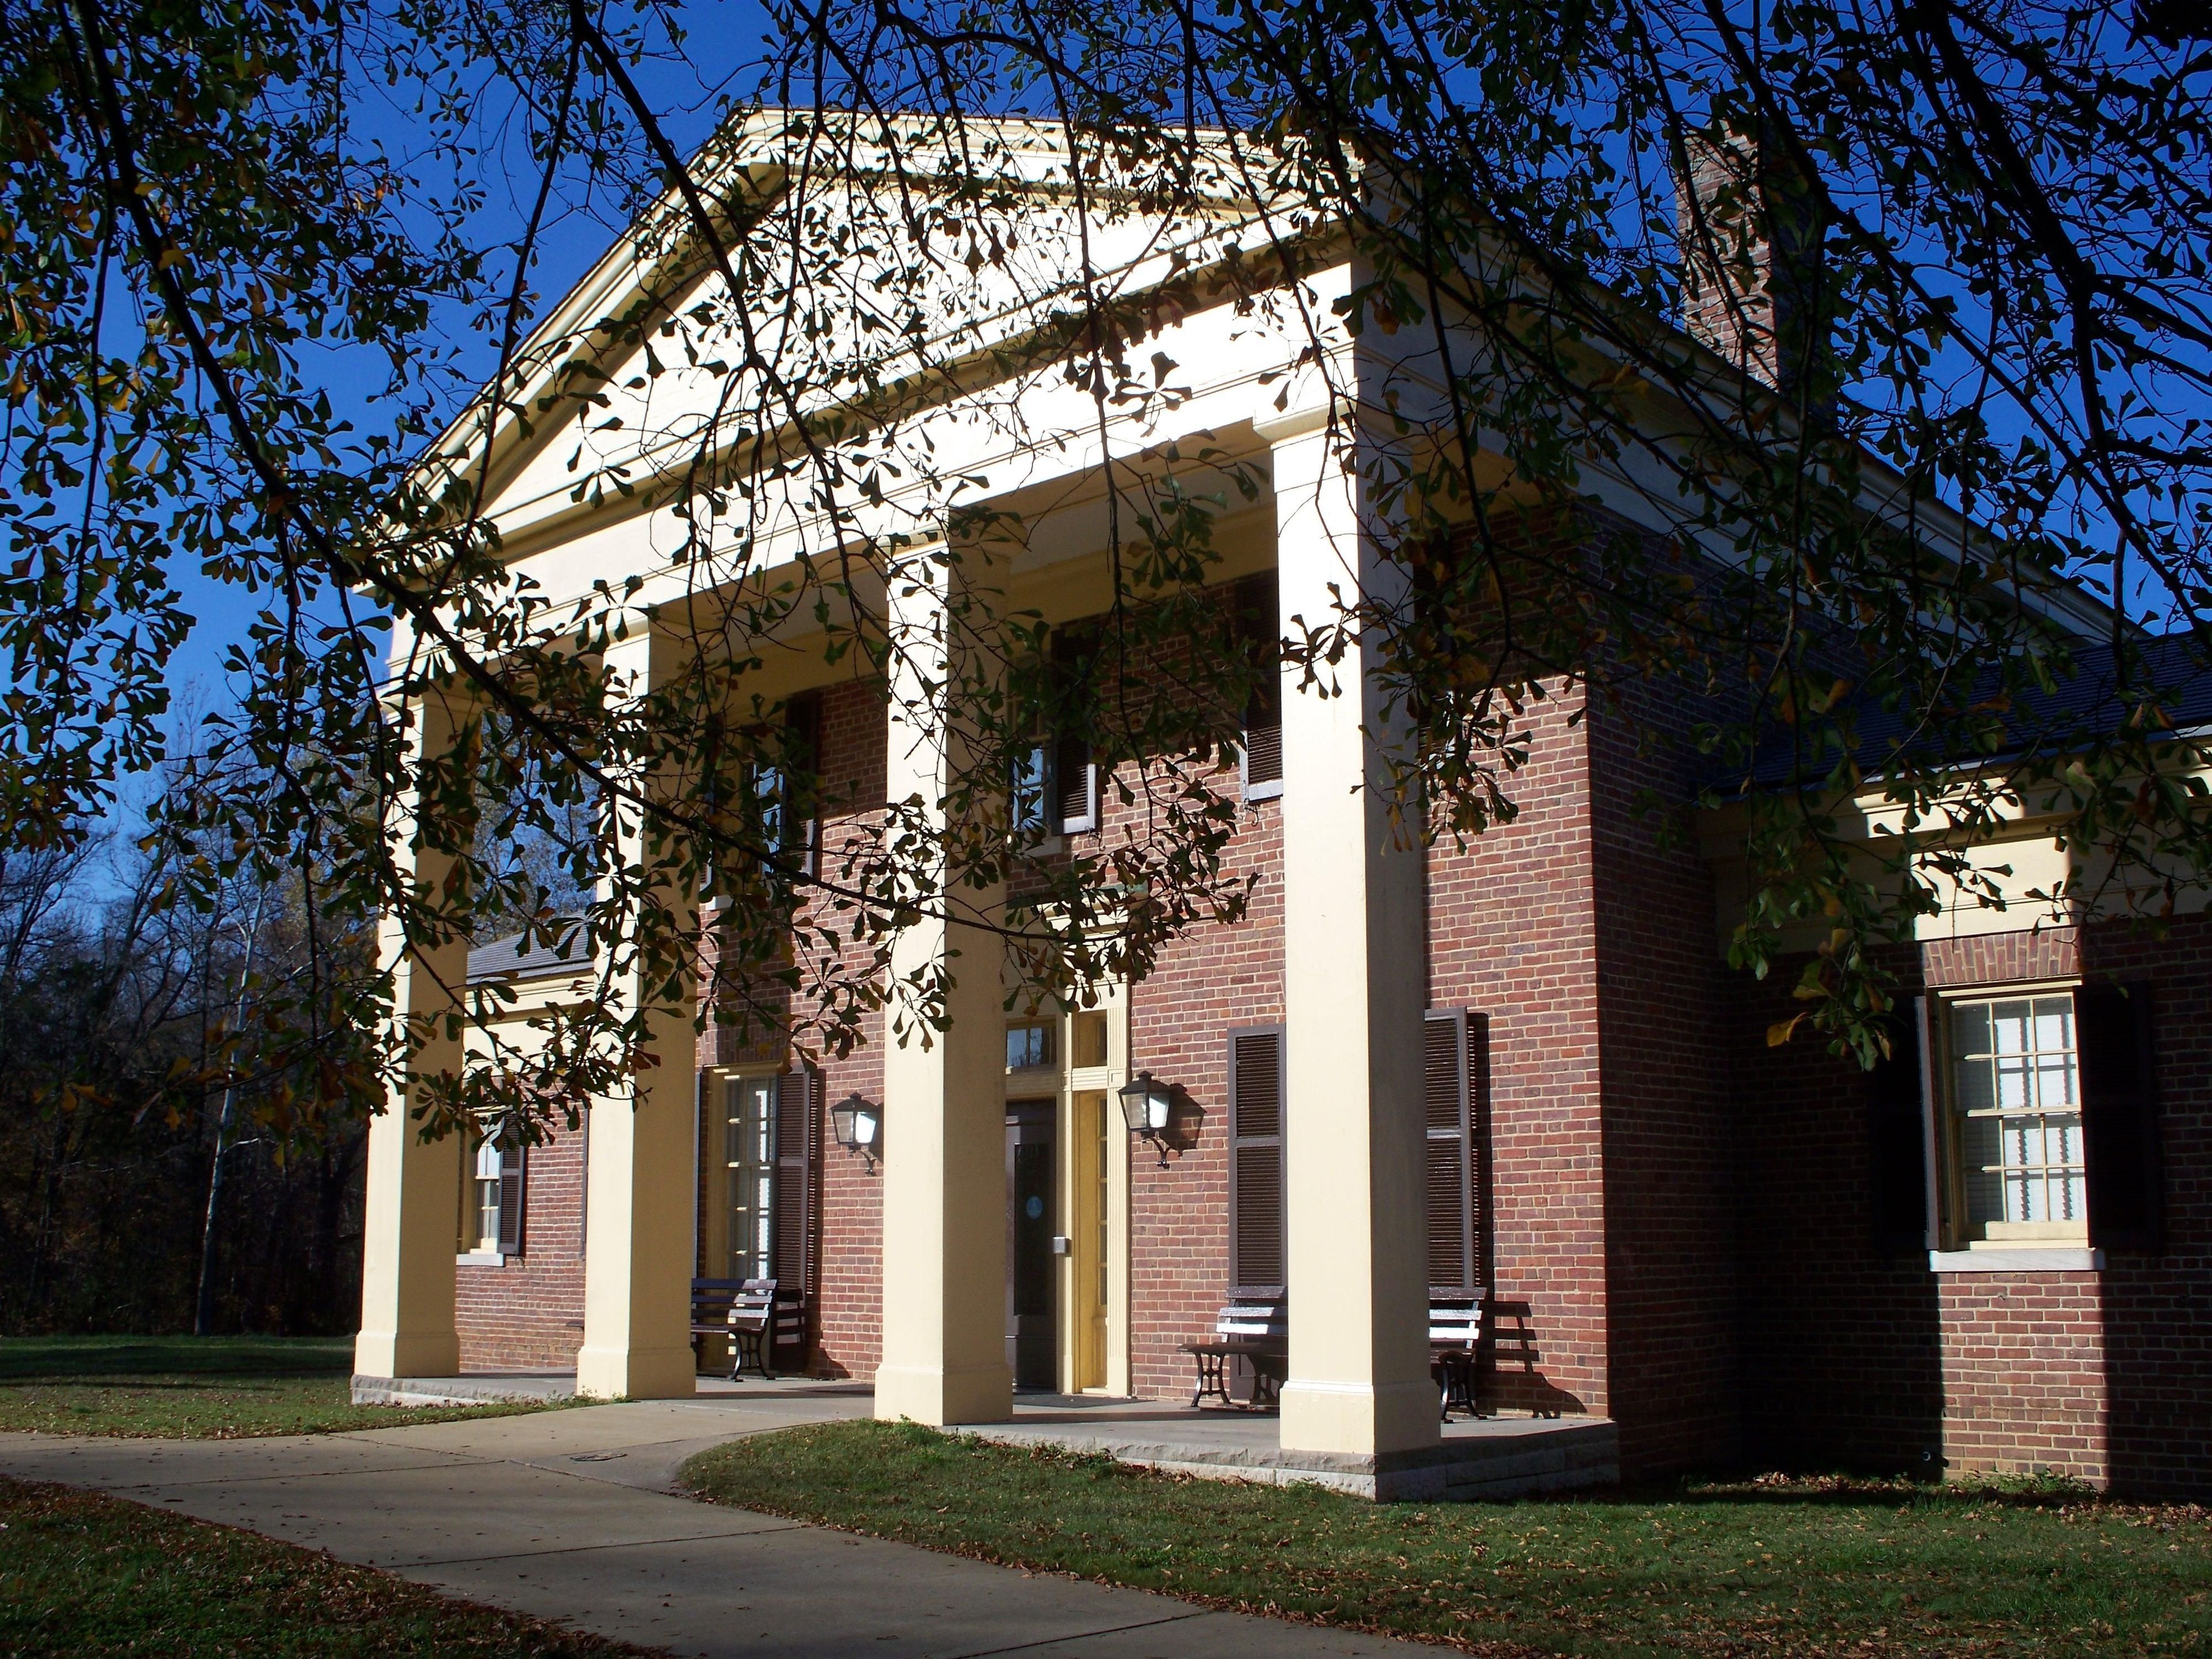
2150	1187
1509	1379
1841	1337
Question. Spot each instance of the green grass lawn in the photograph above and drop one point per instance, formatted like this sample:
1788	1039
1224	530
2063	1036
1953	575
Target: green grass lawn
1765	1567
189	1387
83	1574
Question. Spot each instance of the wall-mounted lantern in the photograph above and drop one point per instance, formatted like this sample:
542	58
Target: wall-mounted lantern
859	1127
1148	1104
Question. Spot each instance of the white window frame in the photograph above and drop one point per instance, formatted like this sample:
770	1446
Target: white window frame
1964	1244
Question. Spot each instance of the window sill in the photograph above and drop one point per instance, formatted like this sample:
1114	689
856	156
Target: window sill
2020	1259
481	1259
1256	792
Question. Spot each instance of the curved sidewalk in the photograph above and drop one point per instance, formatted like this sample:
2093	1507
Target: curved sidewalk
567	1514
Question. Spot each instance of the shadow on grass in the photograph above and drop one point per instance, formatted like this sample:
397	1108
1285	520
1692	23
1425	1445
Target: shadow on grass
118	1360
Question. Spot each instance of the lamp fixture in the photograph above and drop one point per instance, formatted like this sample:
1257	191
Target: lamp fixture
858	1123
1147	1104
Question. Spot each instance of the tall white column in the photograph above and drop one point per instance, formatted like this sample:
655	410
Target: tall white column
1354	982
943	1170
411	1207
639	1198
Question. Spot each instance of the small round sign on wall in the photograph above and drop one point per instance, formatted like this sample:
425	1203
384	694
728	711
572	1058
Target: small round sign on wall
1034	1208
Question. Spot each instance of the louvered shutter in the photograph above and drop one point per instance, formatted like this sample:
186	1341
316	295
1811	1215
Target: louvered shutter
798	1096
801	786
1451	1195
1259	631
1899	1138
1074	781
513	1169
1258	1259
2119	1116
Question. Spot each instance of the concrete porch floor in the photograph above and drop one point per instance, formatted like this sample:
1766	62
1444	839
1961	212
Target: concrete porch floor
1489	1458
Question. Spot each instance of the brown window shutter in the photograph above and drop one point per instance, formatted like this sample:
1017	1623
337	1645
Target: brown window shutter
802	787
1258	1259
1074	781
513	1169
790	1245
2119	1116
1074	786
1899	1116
1451	1194
1259	631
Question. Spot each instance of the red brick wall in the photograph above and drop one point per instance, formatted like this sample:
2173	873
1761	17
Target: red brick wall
848	1305
2023	1374
1513	935
1856	1356
1179	1020
1841	1340
1670	1237
2158	1308
527	1313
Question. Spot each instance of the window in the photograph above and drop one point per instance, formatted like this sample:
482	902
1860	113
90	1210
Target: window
1053	785
2044	1124
748	1154
1029	792
492	1172
786	788
2016	1102
1075	769
1259	632
1029	1042
486	1208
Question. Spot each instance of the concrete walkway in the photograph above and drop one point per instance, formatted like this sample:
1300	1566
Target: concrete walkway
567	1515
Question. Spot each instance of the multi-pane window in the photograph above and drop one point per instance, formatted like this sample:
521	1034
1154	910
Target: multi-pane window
1029	1043
2016	1095
486	1198
1029	792
750	1153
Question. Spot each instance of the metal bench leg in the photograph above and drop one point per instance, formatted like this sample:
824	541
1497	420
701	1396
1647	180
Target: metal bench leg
1213	1378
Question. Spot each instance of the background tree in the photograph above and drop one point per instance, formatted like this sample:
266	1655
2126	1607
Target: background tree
1958	250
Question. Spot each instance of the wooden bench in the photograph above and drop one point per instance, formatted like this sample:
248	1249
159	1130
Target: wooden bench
1253	1327
1454	1341
744	1312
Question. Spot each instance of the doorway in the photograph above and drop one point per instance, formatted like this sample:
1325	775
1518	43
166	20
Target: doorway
1032	1275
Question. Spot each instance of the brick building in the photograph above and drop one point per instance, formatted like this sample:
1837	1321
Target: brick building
1519	1067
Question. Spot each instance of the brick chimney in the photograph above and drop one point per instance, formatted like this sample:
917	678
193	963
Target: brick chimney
1751	228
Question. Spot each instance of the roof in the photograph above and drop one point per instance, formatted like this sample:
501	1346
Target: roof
505	958
2173	671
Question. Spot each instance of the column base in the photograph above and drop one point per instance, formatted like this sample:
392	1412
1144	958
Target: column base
938	1396
1360	1418
407	1353
603	1373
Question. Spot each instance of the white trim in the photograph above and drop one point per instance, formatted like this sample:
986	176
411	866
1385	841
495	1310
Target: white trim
481	1259
2026	1259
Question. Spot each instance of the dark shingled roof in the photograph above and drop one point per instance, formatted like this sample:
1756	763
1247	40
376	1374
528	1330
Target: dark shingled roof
2086	705
505	958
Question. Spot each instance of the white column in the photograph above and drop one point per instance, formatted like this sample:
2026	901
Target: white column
1354	982
945	1105
411	1207
640	1195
